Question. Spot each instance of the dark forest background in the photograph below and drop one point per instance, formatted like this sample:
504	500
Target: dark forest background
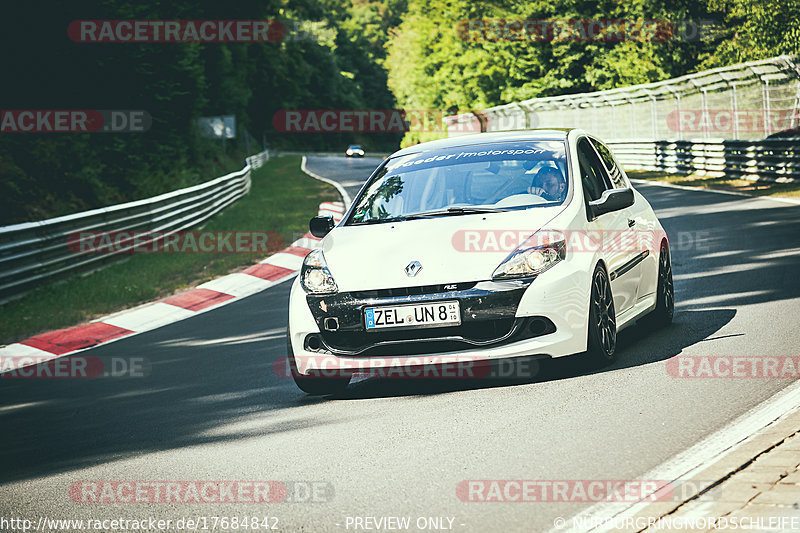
338	54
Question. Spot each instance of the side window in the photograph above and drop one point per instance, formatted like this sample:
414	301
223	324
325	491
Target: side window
608	161
593	175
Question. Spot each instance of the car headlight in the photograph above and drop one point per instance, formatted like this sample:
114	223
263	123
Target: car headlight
315	276
536	255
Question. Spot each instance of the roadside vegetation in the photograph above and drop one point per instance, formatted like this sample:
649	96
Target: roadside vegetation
282	199
330	59
464	55
419	55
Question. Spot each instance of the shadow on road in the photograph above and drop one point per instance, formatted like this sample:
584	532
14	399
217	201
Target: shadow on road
635	346
212	379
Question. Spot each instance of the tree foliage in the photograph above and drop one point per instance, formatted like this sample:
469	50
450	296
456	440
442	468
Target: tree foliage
49	174
437	61
338	54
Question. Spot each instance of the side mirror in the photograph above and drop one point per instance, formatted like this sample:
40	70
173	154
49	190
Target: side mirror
611	200
321	226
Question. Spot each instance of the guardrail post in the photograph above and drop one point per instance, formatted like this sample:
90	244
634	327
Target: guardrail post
678	117
653	113
765	104
734	111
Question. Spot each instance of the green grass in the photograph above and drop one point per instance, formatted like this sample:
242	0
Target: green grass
778	190
282	199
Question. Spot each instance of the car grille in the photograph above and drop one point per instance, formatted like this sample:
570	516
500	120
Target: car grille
480	331
435	340
414	291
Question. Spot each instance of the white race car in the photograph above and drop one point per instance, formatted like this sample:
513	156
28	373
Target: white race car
479	248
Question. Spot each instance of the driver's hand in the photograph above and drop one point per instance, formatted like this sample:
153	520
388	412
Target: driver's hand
538	191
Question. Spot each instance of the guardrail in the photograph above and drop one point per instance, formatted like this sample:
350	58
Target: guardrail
33	252
745	101
257	160
770	160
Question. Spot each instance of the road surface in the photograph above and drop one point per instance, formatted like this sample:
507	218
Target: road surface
211	406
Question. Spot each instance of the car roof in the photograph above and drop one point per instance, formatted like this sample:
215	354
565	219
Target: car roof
542	134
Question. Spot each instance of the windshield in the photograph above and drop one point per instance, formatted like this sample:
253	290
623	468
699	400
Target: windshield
474	179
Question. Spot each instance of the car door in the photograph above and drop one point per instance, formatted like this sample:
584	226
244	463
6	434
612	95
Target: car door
645	238
616	250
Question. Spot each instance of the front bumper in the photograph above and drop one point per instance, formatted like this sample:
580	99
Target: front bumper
488	318
545	317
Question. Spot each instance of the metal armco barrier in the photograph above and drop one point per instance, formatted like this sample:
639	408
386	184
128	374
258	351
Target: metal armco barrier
33	252
770	160
257	160
725	119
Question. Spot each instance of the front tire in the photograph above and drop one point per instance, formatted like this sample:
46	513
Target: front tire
602	334
315	385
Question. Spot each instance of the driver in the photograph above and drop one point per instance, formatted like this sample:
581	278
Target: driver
549	183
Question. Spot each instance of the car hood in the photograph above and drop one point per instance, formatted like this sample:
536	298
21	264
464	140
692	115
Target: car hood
451	249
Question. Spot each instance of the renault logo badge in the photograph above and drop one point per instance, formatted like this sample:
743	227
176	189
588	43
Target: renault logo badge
413	269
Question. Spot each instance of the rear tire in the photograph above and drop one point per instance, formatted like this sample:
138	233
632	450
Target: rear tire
315	385
602	335
661	316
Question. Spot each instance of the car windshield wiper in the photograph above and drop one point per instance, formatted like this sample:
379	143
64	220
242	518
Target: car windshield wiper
430	214
465	210
377	221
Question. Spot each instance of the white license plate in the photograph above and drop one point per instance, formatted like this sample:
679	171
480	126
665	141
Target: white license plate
413	315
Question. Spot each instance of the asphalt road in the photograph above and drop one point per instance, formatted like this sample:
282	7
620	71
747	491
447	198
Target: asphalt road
349	172
211	407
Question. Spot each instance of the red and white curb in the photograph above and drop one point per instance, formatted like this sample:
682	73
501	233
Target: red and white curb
275	269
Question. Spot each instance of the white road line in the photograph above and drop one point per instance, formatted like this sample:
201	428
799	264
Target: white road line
23	350
311	244
283	260
733	193
697	458
15	356
237	284
342	192
149	317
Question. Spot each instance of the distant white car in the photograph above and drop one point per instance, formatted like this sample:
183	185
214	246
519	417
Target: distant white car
354	150
490	246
